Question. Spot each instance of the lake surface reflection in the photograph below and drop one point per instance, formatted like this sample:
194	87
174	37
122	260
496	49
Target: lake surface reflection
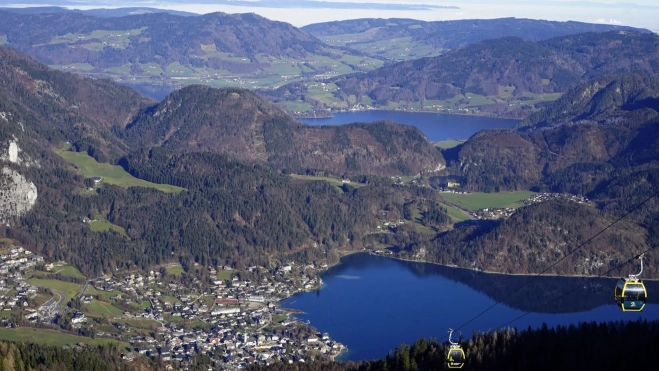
436	126
373	304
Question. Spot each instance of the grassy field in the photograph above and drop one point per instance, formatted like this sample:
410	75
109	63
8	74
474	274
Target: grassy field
69	271
110	174
108	294
446	144
478	200
51	337
100	224
142	323
104	309
40	299
70	289
297	106
175	270
456	214
224	275
416	214
169	299
401	48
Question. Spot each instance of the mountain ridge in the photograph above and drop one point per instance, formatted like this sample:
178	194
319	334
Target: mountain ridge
245	126
500	77
424	39
217	49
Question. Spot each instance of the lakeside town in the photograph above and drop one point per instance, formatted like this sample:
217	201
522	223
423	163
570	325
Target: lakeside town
236	321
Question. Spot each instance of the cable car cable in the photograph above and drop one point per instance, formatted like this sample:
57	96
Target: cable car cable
559	297
582	284
559	260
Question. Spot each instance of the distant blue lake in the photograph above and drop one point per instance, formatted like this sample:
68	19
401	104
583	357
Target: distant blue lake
157	92
373	304
436	126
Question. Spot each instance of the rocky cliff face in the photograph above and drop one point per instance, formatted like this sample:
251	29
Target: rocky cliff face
17	194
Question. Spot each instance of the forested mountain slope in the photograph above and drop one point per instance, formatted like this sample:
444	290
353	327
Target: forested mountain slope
25	356
600	140
539	235
231	212
62	106
600	346
595	129
416	39
243	125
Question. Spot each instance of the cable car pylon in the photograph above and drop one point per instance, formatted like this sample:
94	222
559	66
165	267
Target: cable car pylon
455	358
630	293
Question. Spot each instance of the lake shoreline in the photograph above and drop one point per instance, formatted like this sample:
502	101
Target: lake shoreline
371	305
504	274
333	114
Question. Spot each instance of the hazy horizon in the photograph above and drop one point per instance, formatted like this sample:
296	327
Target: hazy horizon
638	13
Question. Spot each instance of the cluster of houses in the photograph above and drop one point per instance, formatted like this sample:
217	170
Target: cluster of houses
542	197
493	213
14	289
391	224
496	213
243	315
18	258
232	347
244	323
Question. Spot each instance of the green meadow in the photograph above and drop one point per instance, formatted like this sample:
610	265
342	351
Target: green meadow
111	174
479	200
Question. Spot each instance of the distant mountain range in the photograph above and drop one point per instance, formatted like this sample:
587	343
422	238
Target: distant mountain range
161	47
403	39
118	12
216	49
508	76
299	4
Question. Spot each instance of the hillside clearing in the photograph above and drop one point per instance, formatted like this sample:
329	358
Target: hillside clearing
104	309
51	337
100	224
70	289
479	200
111	174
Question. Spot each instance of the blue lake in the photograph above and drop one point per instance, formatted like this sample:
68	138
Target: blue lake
373	304
436	126
157	92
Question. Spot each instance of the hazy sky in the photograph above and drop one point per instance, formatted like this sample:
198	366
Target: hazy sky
638	13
